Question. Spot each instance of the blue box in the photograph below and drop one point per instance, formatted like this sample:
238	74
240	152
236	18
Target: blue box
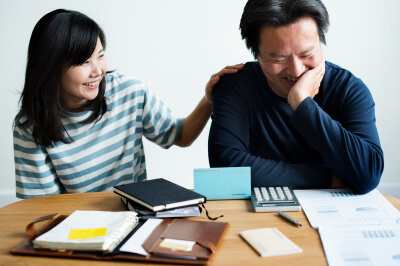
223	183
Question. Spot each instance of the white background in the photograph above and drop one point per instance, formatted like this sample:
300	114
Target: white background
174	46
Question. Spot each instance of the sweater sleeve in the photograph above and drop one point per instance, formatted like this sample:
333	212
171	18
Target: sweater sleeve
229	144
34	172
350	145
159	125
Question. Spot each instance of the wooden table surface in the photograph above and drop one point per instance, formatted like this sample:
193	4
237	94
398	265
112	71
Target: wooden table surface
233	250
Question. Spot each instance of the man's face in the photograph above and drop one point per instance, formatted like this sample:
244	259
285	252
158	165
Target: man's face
286	53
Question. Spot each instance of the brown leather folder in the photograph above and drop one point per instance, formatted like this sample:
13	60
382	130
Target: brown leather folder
207	236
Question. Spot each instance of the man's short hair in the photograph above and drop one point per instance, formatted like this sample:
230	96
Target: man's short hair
277	13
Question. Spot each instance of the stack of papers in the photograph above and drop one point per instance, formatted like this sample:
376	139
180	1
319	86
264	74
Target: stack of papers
354	229
343	207
361	245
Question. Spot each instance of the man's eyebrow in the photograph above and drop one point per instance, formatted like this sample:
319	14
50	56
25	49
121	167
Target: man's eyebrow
102	50
277	55
307	50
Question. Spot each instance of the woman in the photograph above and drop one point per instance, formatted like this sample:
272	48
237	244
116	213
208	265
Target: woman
80	128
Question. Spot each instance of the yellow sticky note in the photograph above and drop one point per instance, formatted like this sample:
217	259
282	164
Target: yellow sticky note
177	244
87	233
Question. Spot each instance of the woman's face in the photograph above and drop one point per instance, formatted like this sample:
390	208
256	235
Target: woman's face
80	84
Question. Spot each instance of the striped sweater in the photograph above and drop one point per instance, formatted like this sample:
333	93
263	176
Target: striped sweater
102	154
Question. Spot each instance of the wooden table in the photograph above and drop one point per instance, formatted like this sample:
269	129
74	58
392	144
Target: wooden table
233	250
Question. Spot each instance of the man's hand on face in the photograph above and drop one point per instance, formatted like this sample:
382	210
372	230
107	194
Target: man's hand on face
306	86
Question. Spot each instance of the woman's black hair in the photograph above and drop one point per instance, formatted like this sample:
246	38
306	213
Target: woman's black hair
60	39
277	13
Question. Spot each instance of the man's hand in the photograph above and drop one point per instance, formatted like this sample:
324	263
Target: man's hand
306	86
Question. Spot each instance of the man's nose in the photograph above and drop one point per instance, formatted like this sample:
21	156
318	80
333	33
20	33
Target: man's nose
296	67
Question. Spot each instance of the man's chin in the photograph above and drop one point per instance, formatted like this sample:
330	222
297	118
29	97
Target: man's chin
282	91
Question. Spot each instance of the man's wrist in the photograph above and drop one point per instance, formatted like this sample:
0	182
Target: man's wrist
295	100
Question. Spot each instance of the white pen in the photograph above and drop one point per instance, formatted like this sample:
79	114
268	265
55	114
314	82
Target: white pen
290	219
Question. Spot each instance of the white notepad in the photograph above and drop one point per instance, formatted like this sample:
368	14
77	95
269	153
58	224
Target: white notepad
89	230
270	242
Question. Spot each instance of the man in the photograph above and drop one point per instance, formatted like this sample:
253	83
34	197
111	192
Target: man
296	119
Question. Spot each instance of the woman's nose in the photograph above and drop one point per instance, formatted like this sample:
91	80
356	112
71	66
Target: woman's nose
96	69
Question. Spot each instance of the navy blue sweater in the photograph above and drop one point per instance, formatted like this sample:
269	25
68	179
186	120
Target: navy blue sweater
333	133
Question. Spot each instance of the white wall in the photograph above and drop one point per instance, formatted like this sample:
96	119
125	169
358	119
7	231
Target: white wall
174	46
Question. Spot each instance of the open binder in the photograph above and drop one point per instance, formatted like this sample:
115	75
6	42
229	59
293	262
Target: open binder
207	236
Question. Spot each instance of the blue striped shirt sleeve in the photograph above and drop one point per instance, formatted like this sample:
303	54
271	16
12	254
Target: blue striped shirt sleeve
159	125
34	172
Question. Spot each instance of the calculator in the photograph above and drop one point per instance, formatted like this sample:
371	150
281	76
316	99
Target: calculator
271	199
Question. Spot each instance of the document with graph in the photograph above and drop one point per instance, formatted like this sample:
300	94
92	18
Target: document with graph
343	207
361	245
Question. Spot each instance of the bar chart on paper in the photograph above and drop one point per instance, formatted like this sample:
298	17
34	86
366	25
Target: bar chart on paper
378	234
361	245
342	194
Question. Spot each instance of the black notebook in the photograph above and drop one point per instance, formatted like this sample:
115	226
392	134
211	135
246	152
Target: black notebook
159	194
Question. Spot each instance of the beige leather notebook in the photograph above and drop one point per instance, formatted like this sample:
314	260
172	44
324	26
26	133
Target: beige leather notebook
270	242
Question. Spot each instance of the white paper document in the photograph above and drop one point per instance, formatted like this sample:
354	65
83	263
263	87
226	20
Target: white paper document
361	245
134	244
343	207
